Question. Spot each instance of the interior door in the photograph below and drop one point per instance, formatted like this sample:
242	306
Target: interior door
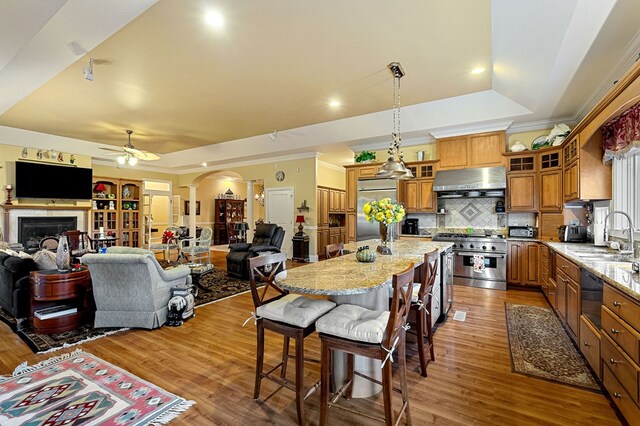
279	210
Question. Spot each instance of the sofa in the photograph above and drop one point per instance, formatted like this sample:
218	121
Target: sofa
14	284
131	289
268	237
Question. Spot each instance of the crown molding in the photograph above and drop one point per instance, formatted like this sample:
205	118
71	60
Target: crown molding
493	126
375	146
627	59
331	166
540	124
227	166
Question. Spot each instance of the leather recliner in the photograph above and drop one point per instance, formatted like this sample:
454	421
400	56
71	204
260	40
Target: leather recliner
14	284
268	237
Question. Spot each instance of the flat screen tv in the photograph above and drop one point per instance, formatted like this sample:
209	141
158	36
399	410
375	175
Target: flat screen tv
42	180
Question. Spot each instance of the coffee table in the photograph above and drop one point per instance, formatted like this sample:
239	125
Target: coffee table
198	270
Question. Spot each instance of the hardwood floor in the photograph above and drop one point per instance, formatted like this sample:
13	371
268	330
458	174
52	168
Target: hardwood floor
210	359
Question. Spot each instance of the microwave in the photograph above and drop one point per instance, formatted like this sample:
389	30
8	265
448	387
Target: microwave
522	231
572	233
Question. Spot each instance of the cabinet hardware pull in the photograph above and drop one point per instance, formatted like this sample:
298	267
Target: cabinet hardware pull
587	344
616	303
614	331
617	395
613	361
564	266
552	292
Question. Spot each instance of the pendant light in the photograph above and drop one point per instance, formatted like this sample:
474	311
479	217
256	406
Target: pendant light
395	168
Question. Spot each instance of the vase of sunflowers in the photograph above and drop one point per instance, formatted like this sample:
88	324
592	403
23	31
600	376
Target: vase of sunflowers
386	213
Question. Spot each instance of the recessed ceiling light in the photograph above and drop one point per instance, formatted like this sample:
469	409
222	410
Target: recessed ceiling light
215	19
477	70
335	103
204	164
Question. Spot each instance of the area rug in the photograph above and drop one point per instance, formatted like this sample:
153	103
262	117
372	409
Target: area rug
216	286
80	388
540	347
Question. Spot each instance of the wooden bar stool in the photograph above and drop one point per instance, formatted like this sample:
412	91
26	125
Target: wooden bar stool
421	307
333	250
291	315
373	334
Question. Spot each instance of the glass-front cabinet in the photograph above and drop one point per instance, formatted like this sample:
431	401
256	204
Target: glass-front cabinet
115	212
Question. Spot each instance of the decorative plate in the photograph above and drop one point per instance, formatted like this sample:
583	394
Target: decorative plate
279	175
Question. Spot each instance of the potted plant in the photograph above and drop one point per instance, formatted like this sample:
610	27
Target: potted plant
365	157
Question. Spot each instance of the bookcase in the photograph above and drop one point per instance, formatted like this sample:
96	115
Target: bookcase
116	207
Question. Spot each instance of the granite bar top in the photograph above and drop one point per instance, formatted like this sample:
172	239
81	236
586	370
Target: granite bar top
344	275
617	274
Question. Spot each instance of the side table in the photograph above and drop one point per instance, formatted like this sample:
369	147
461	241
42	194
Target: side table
49	288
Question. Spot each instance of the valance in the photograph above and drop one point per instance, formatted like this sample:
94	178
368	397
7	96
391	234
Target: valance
621	136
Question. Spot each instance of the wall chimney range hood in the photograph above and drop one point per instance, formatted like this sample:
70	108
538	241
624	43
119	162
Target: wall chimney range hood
468	180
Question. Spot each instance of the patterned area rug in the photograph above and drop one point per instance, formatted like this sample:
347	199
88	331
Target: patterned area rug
540	347
216	285
79	388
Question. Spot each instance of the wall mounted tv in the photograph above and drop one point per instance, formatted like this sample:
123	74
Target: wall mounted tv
42	180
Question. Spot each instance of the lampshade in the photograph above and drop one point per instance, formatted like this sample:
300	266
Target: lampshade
99	187
300	219
241	226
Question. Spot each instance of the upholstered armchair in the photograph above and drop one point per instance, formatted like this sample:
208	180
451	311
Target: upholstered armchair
268	237
199	248
130	287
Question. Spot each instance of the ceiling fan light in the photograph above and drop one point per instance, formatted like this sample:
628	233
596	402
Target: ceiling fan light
121	160
132	161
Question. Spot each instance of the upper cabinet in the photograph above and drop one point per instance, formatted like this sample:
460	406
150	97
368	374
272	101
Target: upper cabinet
478	150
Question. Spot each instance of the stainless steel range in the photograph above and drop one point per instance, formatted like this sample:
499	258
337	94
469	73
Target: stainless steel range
478	261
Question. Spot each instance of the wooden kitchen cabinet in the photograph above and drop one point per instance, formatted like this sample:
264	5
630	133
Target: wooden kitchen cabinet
485	149
551	191
323	207
352	189
550	159
568	292
573	307
342	202
452	153
521	192
351	227
417	195
523	263
514	262
477	150
323	241
521	163
571	182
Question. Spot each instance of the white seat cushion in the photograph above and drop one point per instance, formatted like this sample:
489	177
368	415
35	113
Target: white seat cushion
354	323
414	294
295	310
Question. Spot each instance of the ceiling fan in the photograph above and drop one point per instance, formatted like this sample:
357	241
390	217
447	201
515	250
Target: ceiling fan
130	155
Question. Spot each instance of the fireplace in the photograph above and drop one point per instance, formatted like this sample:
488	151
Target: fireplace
33	229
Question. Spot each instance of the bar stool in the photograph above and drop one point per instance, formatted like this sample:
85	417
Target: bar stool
333	250
291	315
373	334
421	307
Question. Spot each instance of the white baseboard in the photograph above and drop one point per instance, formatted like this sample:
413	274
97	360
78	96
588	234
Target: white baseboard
313	258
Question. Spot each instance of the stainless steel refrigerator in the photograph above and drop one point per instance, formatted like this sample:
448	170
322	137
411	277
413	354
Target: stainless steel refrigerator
370	190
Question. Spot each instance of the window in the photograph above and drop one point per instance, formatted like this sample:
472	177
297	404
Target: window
626	190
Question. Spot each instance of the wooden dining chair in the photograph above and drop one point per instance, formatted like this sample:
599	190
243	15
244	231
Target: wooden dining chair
333	250
291	315
421	309
356	330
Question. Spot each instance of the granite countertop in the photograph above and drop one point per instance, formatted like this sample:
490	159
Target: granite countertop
416	236
617	274
344	275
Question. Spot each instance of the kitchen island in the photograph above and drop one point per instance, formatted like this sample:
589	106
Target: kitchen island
347	281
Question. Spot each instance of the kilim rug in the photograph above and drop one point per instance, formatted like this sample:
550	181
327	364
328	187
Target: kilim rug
540	347
216	286
79	388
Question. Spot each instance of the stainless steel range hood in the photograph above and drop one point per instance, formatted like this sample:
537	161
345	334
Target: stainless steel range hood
479	179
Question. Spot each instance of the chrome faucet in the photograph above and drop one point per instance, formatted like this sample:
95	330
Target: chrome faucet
630	249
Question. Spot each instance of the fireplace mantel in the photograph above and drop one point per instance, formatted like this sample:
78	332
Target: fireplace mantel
13	212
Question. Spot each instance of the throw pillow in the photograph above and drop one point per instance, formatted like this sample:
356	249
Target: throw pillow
45	259
24	255
4	245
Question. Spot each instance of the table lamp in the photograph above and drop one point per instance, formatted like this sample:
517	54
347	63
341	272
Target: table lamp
300	221
99	189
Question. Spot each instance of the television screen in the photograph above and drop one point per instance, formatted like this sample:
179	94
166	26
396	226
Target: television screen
42	180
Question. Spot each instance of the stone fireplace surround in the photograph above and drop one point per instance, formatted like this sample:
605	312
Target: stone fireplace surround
11	214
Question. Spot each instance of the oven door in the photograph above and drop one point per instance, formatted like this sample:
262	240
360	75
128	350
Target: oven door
495	267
